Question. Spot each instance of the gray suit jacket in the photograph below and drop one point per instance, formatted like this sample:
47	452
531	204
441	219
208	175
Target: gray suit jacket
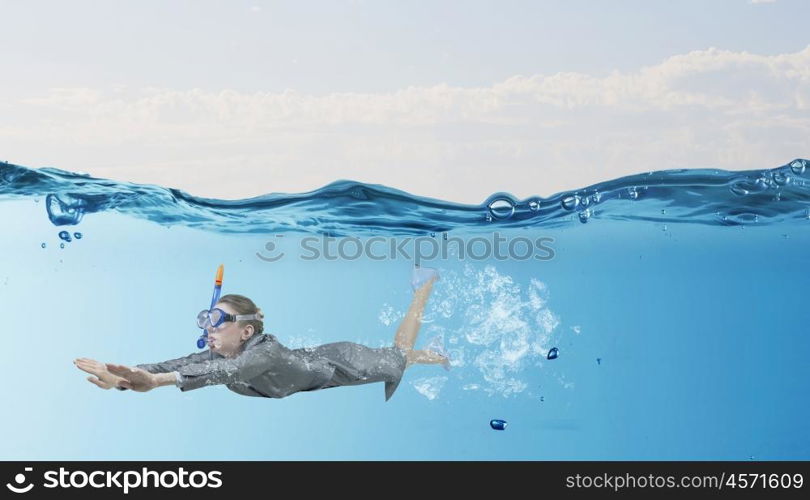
265	368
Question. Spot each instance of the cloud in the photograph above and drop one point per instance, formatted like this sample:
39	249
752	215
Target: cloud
528	135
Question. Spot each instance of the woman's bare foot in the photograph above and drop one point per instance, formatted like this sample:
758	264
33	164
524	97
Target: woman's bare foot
425	357
420	276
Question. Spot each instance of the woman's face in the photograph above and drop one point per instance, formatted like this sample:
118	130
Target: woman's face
227	338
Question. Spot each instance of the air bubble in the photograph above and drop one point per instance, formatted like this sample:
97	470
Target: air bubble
585	215
744	187
632	192
61	245
553	353
358	192
739	190
501	208
798	167
43	245
534	206
78	236
742	218
64	212
780	178
497	424
64	235
570	202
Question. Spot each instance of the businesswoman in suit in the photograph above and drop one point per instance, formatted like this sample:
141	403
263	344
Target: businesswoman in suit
252	363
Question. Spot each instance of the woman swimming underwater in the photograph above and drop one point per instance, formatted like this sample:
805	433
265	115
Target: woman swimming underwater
253	363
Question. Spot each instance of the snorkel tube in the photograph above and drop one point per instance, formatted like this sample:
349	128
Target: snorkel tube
217	289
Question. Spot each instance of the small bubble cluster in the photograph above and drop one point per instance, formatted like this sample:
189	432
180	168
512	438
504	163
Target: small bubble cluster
66	237
770	179
581	203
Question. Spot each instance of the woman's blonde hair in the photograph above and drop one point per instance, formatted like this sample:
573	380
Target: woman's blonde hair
243	305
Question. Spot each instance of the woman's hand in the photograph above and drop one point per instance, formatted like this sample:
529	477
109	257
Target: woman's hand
103	378
137	379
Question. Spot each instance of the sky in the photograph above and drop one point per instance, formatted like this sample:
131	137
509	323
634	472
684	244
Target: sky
449	100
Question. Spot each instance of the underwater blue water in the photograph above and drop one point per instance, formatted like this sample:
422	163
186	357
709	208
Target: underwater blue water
676	300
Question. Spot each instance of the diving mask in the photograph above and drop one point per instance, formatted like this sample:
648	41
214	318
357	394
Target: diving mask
215	317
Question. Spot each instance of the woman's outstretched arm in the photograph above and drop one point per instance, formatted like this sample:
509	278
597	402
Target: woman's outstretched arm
99	375
130	378
173	364
140	380
189	375
170	367
107	380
